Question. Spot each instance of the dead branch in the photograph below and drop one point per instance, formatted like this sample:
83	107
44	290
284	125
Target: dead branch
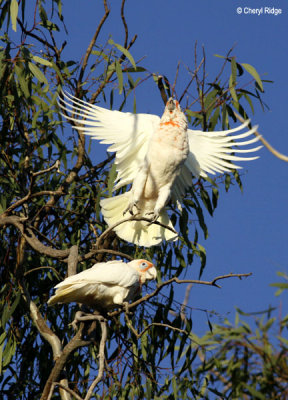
268	146
179	281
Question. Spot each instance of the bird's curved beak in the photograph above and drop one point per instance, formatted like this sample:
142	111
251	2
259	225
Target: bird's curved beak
151	273
171	104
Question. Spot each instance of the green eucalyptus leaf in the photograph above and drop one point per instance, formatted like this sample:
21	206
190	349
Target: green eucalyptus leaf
14	14
252	71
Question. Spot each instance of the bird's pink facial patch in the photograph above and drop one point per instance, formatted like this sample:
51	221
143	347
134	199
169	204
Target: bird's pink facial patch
144	268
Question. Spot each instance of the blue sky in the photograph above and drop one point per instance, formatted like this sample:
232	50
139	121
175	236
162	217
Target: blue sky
248	232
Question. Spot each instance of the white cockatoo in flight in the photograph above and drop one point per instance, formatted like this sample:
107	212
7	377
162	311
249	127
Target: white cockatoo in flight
105	285
159	157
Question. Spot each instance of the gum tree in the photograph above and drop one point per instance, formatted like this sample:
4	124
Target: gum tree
51	224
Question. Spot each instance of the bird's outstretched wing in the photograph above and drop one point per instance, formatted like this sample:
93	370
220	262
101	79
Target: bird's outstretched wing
214	152
128	134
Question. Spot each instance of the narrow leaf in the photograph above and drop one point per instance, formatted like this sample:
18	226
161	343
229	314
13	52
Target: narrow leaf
42	61
14	14
252	71
37	73
124	51
119	76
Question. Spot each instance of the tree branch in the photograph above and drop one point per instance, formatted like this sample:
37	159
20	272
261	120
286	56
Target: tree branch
65	388
124	23
268	146
74	343
179	281
90	47
19	223
101	355
72	260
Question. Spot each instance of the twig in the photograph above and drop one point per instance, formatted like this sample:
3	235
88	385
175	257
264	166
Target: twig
91	44
31	195
179	281
138	335
191	80
56	165
124	23
268	146
103	324
185	301
108	251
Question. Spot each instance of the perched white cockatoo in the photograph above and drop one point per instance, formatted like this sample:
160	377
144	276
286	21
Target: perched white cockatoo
159	157
105	285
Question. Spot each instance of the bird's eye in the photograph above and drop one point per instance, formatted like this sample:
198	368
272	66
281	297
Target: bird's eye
143	265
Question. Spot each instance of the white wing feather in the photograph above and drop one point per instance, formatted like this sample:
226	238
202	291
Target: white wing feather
129	134
212	152
114	273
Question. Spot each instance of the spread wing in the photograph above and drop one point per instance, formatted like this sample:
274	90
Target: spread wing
212	152
128	134
112	273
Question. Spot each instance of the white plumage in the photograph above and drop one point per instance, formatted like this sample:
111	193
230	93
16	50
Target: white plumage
105	285
158	157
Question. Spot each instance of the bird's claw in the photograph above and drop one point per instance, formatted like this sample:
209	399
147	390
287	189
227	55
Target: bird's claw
126	308
81	316
130	209
154	218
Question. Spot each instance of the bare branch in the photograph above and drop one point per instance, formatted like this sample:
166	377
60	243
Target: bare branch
101	355
124	23
56	165
179	281
268	146
138	335
90	47
108	251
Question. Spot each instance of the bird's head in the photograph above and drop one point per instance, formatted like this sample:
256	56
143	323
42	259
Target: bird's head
173	114
145	268
172	106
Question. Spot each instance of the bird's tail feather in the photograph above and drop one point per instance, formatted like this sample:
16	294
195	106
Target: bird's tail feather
138	232
66	294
